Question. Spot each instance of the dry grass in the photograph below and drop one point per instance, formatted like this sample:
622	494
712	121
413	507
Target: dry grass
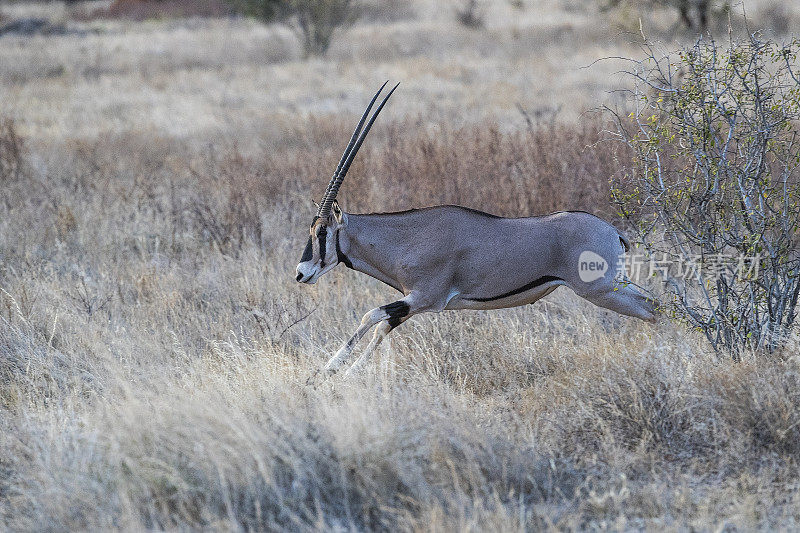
157	184
218	78
154	353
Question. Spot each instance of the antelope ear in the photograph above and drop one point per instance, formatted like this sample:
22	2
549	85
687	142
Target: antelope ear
316	205
337	212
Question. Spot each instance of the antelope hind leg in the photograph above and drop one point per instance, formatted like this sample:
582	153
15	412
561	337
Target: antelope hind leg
626	301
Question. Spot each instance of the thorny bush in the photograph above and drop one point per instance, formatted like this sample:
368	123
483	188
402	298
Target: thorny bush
715	189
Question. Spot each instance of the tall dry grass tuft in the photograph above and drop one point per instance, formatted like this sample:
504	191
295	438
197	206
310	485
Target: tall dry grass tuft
11	152
154	349
513	174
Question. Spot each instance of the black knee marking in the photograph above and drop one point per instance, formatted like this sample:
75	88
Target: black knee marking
397	311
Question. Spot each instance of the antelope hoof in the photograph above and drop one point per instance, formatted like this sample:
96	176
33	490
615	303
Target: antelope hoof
336	361
352	371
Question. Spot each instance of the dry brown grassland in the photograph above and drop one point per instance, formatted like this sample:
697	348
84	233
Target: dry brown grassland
157	180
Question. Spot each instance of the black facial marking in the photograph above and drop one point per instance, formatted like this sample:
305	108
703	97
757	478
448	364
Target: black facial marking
397	311
308	252
323	235
533	284
340	255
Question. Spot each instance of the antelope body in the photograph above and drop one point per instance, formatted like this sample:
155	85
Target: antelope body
452	257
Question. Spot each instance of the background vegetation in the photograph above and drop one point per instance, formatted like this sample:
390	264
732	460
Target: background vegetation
715	184
157	181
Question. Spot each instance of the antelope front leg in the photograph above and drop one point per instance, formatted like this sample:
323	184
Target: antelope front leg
381	331
392	313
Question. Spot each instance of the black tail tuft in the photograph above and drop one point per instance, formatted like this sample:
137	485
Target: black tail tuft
625	244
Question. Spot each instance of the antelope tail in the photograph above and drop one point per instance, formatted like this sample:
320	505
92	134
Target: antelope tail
626	244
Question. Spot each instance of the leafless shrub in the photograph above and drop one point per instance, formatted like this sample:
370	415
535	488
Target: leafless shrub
275	317
314	21
89	301
716	186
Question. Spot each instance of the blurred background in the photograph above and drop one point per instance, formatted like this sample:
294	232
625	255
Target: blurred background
244	69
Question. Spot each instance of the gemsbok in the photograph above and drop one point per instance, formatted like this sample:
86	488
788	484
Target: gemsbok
453	257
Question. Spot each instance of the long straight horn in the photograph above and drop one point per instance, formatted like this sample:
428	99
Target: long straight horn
336	182
349	147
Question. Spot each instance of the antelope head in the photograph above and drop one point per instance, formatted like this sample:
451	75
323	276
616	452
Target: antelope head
321	252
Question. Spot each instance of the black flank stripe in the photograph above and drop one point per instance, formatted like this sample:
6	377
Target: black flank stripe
532	285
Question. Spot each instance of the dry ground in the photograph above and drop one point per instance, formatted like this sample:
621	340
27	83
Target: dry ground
154	346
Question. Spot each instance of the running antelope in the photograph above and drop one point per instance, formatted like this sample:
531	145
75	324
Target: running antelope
452	257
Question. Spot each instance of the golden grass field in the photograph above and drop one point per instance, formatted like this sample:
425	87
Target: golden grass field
157	181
